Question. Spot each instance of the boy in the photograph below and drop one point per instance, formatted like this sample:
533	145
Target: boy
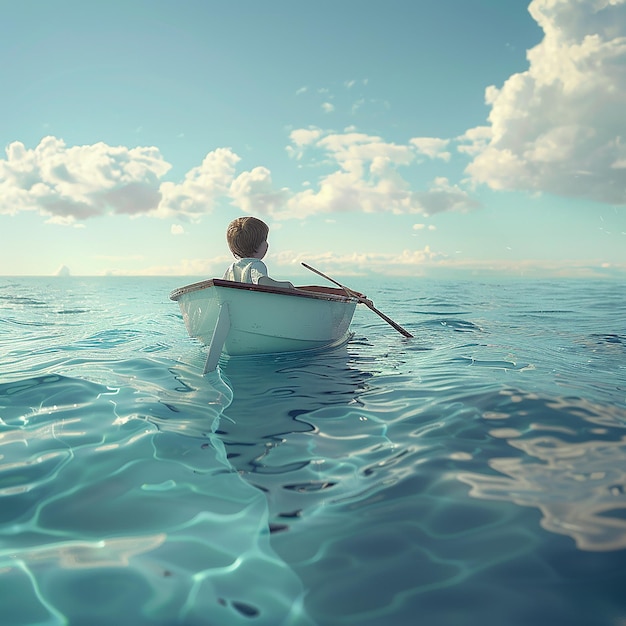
247	240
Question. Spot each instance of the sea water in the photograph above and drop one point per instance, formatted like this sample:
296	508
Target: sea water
475	474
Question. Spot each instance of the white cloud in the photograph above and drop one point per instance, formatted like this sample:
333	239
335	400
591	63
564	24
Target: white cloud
443	196
253	192
345	191
201	188
354	150
186	267
559	126
64	220
432	147
177	229
328	107
305	136
368	180
79	182
407	262
301	138
426	262
417	262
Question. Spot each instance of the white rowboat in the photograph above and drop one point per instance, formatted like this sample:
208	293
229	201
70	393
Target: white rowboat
243	319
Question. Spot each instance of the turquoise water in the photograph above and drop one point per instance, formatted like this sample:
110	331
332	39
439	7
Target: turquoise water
475	474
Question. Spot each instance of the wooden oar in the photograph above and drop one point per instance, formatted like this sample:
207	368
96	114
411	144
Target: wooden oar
360	298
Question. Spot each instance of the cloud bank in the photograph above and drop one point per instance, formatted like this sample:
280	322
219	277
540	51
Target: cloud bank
76	183
368	177
559	126
72	184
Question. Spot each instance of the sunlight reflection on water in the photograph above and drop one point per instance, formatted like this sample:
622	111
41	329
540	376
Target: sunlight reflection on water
572	473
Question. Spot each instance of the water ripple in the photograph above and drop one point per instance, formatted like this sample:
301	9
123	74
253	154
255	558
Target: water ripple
456	474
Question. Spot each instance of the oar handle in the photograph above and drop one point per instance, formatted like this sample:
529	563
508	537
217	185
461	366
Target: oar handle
324	276
360	298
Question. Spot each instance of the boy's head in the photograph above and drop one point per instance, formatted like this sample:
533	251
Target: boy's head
245	235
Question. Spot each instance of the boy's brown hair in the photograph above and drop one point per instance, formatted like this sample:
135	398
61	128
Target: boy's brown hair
245	235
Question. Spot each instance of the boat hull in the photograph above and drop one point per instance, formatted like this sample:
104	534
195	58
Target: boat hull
265	320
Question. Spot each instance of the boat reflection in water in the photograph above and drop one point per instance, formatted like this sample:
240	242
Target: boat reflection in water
296	429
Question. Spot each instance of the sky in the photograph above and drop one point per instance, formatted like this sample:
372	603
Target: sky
457	138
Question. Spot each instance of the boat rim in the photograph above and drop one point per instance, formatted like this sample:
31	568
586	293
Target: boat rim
314	292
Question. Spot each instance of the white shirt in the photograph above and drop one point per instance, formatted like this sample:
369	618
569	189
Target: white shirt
246	270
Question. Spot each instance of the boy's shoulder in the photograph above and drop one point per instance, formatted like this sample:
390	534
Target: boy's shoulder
249	261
